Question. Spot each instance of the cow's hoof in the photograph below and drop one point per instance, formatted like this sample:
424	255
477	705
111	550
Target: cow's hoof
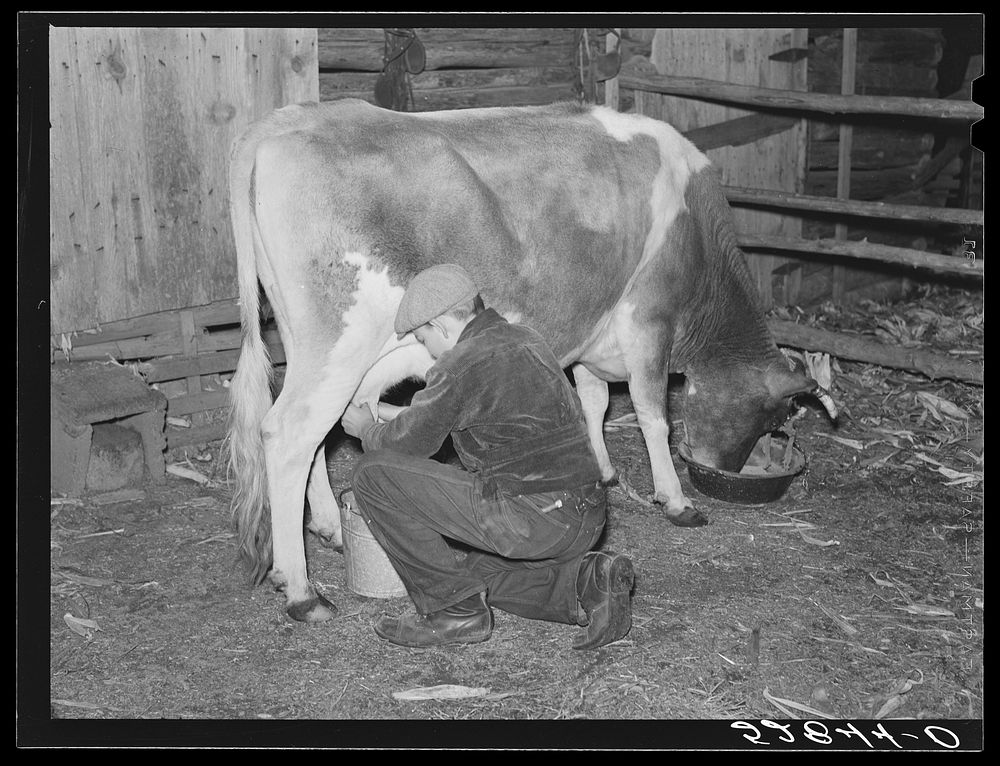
333	542
328	538
317	609
689	517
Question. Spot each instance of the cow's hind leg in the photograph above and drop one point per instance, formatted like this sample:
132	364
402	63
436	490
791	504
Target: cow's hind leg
295	427
324	513
593	393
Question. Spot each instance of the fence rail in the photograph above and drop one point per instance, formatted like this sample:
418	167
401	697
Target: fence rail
799	101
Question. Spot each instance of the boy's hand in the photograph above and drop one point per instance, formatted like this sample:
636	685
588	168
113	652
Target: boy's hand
387	412
356	420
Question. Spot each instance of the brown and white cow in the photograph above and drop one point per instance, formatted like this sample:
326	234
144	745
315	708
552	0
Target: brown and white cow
606	232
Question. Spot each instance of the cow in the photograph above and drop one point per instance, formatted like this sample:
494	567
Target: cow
606	232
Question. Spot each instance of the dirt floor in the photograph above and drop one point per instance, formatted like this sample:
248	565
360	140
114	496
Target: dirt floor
859	595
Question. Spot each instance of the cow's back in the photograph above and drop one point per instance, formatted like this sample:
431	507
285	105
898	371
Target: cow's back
554	209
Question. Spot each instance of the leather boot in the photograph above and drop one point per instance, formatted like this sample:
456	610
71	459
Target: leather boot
468	622
604	590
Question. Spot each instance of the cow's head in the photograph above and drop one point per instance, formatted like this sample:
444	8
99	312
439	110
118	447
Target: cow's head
729	407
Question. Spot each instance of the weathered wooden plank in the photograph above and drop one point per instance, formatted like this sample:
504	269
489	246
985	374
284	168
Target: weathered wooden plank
920	46
773	98
139	156
186	437
145	347
208	363
189	342
362	49
163	325
467	98
872	149
72	277
877	184
178	367
224	340
189	404
740	131
849	66
461	98
331	84
933	365
866	251
898	78
738	196
613	44
462	88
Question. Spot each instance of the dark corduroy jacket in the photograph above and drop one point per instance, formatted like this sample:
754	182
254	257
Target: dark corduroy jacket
513	416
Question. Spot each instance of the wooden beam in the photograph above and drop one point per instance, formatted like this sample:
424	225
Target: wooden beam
612	43
361	49
739	131
226	311
185	437
849	63
175	368
901	256
189	342
766	198
189	404
858	349
792	100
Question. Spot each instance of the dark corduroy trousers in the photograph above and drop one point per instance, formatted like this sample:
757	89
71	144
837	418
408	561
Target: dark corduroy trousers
525	555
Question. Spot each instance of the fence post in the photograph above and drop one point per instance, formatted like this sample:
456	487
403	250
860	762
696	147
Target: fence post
848	70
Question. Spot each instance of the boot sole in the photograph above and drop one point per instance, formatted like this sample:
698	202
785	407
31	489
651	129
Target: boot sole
451	642
475	638
613	619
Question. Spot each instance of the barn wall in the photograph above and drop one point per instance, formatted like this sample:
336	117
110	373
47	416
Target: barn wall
465	66
741	56
141	123
895	160
886	154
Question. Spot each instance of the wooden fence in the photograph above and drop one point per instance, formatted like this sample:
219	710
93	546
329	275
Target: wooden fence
774	103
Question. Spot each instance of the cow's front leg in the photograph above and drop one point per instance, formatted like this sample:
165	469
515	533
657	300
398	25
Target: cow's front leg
651	414
593	393
645	348
647	366
324	513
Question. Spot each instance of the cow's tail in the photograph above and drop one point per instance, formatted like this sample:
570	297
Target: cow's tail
250	389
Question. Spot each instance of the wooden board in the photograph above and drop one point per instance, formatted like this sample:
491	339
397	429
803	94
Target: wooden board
142	121
464	66
739	56
361	49
461	88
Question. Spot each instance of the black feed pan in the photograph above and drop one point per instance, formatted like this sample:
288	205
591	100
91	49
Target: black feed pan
768	473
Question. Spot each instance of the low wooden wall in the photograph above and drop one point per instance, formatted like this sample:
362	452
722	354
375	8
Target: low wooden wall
465	66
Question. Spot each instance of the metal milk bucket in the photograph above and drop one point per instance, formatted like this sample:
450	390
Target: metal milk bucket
369	571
